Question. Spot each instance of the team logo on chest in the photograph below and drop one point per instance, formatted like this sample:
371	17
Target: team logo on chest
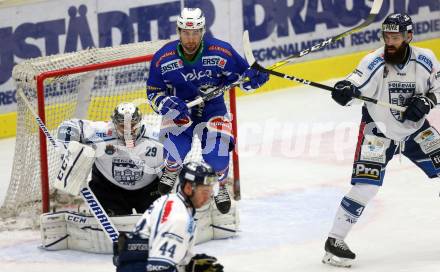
127	171
399	92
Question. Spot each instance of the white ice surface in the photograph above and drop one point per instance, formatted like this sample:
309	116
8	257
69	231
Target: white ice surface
296	149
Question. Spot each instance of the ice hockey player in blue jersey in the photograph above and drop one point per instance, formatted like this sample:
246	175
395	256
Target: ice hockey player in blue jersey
180	72
163	238
399	74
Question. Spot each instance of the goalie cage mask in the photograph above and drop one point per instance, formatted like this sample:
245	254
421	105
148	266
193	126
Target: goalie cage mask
127	119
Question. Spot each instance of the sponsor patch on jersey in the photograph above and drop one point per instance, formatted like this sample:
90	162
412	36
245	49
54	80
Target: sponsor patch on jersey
221	49
374	149
390	28
214	61
399	92
220	124
171	66
167	54
167	211
375	62
172	236
425	60
428	140
367	170
435	158
197	75
127	171
110	149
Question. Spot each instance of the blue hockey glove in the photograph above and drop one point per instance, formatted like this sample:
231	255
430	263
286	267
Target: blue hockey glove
344	91
130	253
256	80
203	263
417	107
174	107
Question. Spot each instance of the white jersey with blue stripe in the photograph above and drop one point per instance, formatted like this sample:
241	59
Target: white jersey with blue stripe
394	84
170	227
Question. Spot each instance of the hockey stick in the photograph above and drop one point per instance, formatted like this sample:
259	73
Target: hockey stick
254	64
89	198
375	8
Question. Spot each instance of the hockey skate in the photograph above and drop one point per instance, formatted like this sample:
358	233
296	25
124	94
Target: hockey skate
222	200
337	253
166	182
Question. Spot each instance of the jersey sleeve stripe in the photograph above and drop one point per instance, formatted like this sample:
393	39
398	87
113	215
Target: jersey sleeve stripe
372	74
160	217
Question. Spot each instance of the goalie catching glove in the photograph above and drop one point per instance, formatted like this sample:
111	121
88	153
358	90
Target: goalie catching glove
256	80
203	263
77	163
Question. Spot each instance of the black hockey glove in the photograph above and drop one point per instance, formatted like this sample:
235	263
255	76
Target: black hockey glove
203	263
343	92
418	106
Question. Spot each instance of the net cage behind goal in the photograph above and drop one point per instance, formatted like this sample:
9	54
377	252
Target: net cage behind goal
86	84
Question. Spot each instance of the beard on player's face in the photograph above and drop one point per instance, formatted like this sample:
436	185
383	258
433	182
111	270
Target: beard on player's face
395	55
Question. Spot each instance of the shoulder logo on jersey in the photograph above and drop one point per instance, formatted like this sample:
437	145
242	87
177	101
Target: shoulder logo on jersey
167	54
110	149
127	171
375	62
221	49
171	66
214	61
425	60
194	75
399	92
167	210
358	73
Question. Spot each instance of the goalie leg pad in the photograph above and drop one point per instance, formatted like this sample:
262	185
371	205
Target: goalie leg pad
53	231
75	167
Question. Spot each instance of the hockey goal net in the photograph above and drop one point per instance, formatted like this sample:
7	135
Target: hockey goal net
88	85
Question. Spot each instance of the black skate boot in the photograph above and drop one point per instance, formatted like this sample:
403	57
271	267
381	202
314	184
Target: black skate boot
222	200
166	182
337	253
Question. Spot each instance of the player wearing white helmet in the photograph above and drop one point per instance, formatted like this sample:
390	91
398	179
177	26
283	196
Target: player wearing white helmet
185	69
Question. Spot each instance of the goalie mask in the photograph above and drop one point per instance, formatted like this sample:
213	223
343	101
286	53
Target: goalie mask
127	119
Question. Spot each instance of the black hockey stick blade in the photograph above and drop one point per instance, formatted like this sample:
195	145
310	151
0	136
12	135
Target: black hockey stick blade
375	8
254	64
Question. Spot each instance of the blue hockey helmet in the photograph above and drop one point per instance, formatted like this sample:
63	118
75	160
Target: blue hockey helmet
197	173
397	22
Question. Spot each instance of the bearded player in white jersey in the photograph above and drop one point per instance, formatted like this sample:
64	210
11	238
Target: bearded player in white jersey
127	162
399	74
163	239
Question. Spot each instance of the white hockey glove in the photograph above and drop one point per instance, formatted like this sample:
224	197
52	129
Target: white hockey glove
75	168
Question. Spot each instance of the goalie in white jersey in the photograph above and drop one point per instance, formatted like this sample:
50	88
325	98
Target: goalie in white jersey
127	163
399	74
164	237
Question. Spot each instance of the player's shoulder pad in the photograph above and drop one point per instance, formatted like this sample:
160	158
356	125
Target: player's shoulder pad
217	46
175	212
373	60
424	57
166	52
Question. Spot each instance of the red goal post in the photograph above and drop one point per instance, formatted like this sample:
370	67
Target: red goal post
88	85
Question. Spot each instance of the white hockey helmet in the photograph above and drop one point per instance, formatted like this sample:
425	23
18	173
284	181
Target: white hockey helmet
191	18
